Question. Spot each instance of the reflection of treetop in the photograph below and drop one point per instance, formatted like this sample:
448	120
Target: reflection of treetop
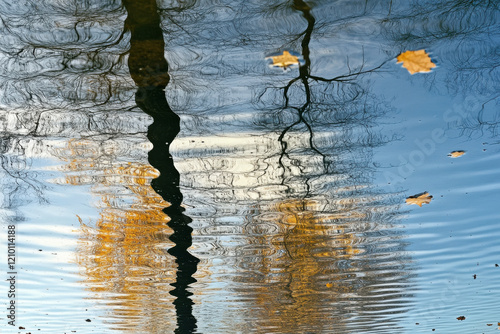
64	54
322	121
315	103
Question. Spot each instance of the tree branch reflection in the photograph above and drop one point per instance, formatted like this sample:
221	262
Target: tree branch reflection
317	237
340	102
18	184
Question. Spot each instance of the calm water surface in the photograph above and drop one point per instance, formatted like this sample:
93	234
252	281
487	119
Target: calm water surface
164	177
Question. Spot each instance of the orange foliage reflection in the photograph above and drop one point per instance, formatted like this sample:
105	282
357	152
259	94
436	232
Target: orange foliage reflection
124	253
297	266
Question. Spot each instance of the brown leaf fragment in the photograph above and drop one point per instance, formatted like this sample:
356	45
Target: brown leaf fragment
284	60
416	61
456	154
461	318
419	199
489	324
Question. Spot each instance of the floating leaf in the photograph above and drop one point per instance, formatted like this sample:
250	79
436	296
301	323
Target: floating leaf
419	199
456	154
416	61
285	60
329	285
461	318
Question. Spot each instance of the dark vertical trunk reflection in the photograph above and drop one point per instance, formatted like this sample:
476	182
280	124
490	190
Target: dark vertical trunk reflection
149	70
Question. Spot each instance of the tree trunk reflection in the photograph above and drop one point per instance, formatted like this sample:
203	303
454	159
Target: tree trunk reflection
149	69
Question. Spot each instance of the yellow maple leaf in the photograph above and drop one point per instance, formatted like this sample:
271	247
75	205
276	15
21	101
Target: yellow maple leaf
284	60
419	199
456	154
416	61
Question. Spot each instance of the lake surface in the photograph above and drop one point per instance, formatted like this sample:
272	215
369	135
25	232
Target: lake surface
249	167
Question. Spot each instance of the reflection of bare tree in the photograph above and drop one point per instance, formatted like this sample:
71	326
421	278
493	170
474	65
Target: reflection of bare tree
66	78
62	54
316	238
308	135
63	72
18	183
328	103
326	118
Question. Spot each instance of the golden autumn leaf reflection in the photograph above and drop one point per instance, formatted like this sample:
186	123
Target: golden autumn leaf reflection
304	256
304	220
305	237
123	254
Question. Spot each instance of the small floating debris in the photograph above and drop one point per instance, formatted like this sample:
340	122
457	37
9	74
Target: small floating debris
284	60
456	154
419	199
416	61
461	318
